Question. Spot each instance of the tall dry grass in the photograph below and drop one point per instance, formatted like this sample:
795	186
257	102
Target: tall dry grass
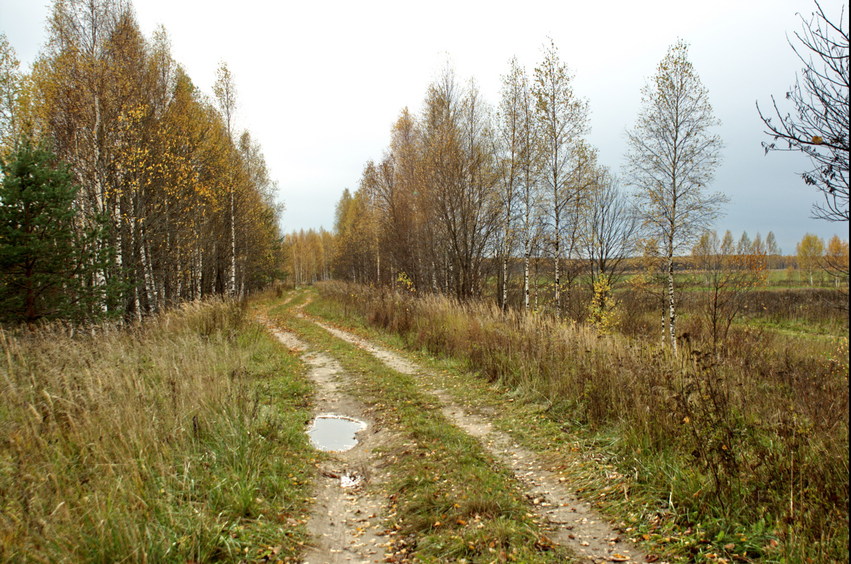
156	442
756	440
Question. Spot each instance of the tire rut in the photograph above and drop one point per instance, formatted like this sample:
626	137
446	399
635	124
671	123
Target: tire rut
346	519
569	521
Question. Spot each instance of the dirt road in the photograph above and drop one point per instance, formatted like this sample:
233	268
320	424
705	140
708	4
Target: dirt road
347	522
347	517
570	521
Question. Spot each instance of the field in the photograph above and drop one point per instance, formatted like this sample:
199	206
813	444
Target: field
182	438
783	301
177	440
746	449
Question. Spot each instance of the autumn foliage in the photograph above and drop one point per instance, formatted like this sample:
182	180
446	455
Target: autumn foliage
188	205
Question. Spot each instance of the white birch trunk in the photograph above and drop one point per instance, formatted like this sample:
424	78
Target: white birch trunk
232	281
150	284
526	282
504	281
672	312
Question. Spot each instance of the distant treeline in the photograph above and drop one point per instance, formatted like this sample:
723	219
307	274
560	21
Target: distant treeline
317	255
473	201
512	202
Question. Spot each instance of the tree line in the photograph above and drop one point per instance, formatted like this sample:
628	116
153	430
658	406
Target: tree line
168	201
465	190
463	187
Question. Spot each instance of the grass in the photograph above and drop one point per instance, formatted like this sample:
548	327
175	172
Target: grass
741	457
450	500
785	302
180	439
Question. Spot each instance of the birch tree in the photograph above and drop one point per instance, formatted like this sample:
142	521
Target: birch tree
9	84
410	225
514	142
154	159
460	172
836	261
225	91
810	251
773	251
562	117
672	156
744	246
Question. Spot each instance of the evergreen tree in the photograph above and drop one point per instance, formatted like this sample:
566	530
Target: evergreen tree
48	267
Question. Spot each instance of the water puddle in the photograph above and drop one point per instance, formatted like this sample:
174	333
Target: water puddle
335	432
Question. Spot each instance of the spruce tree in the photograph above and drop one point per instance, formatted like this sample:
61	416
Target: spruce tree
48	262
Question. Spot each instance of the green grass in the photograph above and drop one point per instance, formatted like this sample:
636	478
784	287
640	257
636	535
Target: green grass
177	440
451	501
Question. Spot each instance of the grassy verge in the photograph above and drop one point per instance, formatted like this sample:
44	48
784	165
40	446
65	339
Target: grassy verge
741	459
177	440
451	501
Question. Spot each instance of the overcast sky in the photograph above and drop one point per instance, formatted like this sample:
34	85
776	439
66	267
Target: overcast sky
321	82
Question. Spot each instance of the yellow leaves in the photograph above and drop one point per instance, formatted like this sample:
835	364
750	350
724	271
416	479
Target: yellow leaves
603	311
133	115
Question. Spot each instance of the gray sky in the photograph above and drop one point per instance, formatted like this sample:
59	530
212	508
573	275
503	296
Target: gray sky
321	82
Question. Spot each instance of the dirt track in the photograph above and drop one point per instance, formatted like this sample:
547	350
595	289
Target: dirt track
346	520
569	521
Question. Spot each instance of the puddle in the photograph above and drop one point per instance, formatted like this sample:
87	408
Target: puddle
335	432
